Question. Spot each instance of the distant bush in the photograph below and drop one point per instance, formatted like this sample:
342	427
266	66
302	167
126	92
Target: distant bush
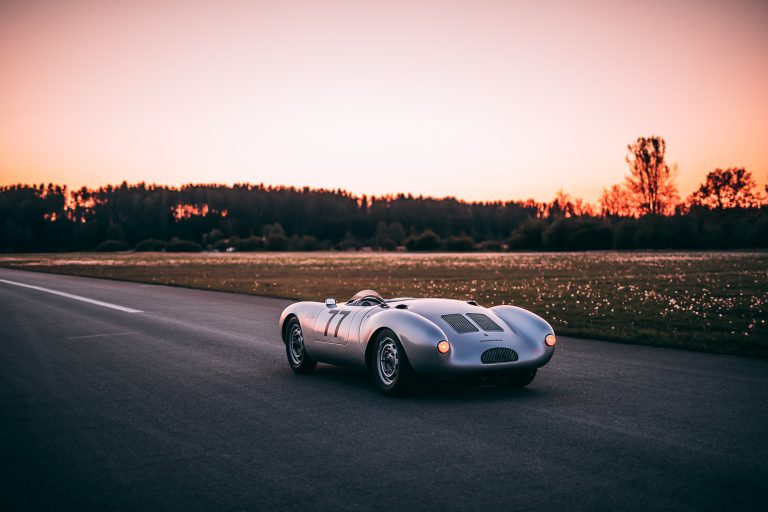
387	244
176	245
303	243
349	243
687	233
150	245
589	235
252	243
277	242
555	237
655	232
111	246
490	246
759	235
461	243
222	245
426	241
624	234
578	234
213	236
528	235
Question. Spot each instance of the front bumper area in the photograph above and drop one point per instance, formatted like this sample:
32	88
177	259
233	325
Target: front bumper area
466	359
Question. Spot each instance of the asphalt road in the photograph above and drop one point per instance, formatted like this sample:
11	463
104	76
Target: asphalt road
190	405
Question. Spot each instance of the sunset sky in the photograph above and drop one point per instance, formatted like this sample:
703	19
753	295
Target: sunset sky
475	99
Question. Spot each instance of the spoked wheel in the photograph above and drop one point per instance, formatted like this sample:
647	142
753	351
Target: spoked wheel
518	378
391	369
294	348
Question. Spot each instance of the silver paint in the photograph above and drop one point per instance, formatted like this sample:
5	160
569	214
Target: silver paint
420	328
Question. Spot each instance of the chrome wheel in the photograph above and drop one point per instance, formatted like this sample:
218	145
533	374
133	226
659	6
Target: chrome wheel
388	360
389	364
296	346
298	358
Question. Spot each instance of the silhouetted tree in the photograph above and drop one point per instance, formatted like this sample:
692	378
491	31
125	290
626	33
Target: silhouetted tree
582	208
616	202
561	206
729	188
150	245
426	241
650	179
461	243
528	235
258	217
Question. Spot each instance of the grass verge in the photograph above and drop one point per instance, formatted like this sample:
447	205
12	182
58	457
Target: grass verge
712	301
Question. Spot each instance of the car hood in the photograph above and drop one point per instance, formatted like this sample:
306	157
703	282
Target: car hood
462	321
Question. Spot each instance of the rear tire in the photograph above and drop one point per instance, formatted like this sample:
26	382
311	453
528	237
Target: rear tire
518	378
298	359
390	367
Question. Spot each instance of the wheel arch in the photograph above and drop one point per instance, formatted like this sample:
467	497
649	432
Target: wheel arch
300	311
417	335
284	326
369	346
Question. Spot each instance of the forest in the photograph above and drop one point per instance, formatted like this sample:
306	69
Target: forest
728	211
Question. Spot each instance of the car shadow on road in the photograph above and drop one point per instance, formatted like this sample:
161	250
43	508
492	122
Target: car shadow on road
423	389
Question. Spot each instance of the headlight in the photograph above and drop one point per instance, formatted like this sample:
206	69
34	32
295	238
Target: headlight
550	340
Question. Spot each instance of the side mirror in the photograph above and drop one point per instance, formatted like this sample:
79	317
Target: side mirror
330	303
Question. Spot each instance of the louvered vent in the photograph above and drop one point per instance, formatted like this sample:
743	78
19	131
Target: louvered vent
459	323
498	355
485	322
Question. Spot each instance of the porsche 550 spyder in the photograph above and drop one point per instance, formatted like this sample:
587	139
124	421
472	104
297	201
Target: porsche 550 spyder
398	339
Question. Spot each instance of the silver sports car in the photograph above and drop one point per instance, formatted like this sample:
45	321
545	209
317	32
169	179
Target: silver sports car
397	339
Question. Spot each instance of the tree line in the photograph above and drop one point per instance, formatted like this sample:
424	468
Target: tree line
645	212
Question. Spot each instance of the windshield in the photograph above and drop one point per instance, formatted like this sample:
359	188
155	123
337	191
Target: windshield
366	293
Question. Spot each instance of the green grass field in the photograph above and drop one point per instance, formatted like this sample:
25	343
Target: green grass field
703	301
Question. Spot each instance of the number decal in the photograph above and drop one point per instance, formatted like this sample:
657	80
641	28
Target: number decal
333	313
342	316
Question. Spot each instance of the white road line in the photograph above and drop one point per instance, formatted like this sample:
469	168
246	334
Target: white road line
97	335
75	297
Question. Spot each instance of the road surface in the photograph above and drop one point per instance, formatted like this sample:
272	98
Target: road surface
125	396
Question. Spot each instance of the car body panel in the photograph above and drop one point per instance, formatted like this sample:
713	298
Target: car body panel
342	334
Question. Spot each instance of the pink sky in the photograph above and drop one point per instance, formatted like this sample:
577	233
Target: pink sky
475	99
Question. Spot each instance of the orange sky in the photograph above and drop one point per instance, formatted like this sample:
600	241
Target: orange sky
475	99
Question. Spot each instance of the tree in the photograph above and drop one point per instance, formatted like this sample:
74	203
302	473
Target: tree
651	180
561	205
396	232
582	208
528	235
729	188
616	202
426	241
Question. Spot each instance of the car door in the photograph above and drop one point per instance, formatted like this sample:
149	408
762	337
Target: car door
332	324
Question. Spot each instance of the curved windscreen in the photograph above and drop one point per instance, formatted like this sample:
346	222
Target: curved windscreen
366	293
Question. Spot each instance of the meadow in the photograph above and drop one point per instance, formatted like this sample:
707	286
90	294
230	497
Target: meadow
711	301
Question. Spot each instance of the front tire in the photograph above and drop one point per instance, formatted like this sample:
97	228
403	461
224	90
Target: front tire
298	359
391	370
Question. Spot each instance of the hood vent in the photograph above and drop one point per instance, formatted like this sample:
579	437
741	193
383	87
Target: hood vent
485	322
459	323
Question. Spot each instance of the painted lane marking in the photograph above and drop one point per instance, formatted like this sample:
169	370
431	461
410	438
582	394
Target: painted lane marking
75	297
97	335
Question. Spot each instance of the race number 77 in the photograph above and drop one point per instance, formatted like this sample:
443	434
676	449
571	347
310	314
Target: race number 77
342	314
